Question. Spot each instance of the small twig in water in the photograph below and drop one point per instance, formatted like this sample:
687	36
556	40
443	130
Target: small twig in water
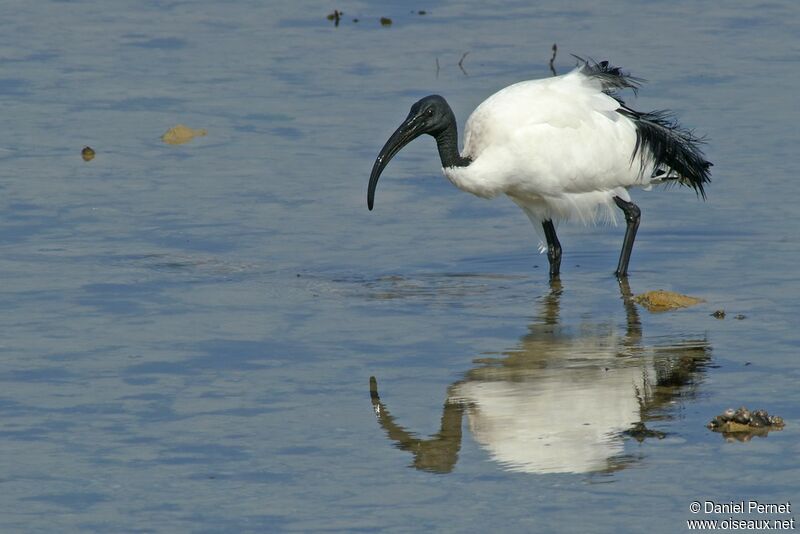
437	66
461	63
552	59
335	17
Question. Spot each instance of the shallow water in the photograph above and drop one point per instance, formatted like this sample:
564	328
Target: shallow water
189	331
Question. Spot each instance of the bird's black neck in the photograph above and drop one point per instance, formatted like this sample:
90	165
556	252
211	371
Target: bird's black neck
447	143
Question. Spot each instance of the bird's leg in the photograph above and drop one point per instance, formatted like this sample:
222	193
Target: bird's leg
632	217
553	248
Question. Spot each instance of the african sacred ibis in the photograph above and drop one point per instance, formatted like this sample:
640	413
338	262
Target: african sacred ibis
561	148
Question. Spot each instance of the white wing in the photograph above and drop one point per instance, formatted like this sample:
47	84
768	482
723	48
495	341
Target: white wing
553	136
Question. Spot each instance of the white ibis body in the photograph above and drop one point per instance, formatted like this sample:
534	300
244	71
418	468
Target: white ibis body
561	148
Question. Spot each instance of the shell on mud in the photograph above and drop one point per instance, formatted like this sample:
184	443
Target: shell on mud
742	415
742	424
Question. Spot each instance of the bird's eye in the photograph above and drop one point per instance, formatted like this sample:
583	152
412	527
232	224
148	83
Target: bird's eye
429	112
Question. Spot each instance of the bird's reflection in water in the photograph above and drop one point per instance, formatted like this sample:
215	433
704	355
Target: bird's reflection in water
562	401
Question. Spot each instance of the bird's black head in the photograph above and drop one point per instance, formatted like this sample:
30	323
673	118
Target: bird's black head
430	115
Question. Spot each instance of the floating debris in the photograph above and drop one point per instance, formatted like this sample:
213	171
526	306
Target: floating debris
640	432
719	314
386	21
740	317
422	12
179	134
336	16
661	300
87	153
742	424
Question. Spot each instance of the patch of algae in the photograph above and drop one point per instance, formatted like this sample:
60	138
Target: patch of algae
179	134
661	300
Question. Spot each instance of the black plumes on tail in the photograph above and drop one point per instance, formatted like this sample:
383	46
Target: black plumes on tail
674	151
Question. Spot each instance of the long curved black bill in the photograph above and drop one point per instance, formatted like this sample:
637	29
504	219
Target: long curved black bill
407	132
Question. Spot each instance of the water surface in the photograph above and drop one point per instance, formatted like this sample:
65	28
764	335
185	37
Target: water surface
188	333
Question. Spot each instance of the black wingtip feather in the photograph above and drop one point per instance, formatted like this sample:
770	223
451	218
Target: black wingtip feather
659	137
612	78
665	143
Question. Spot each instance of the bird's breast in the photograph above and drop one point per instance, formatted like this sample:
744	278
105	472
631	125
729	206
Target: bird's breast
471	179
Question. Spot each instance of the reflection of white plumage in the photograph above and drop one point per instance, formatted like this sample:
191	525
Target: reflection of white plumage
560	414
560	400
560	148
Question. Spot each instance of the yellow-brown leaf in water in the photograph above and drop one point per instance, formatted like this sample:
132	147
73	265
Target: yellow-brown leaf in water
661	300
179	134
